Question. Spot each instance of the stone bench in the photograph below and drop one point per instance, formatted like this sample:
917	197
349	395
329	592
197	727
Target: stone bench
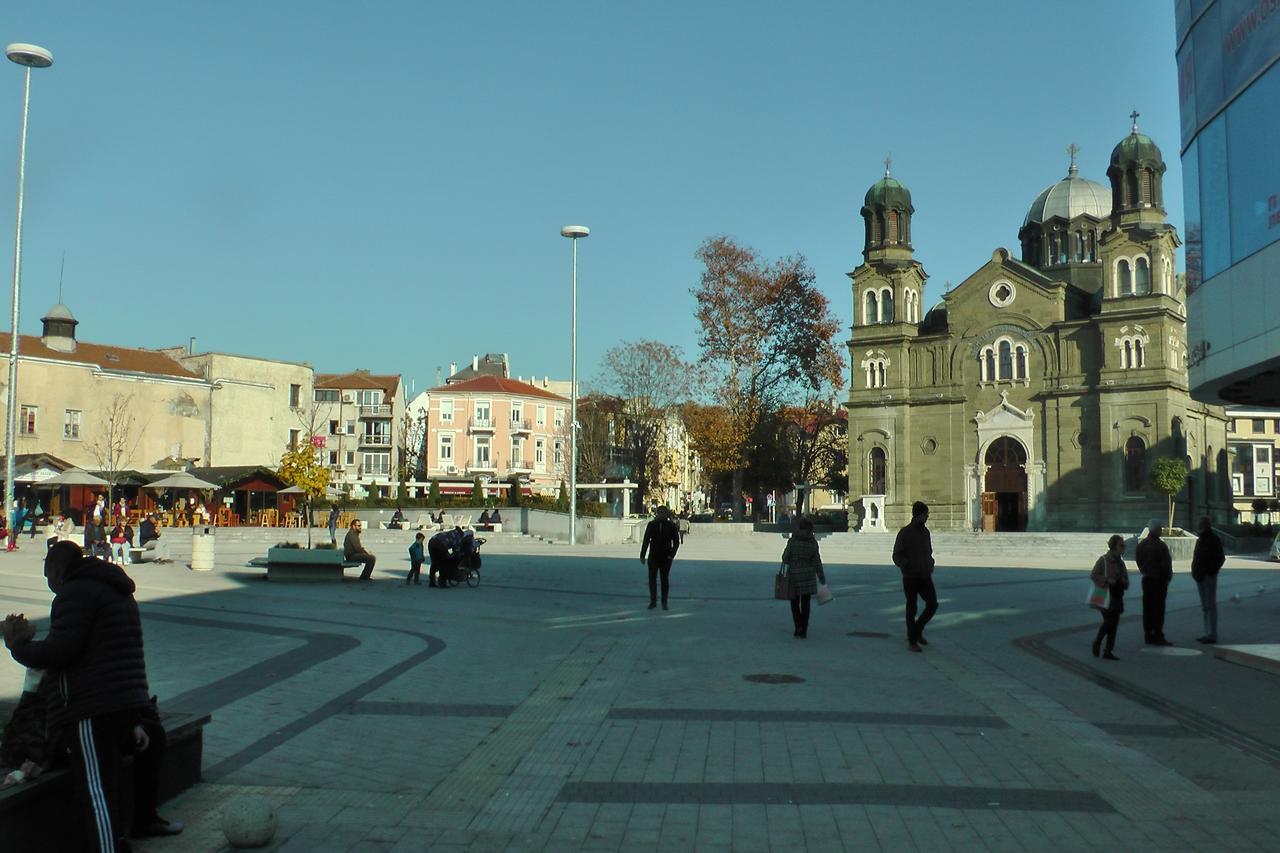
302	564
34	815
488	528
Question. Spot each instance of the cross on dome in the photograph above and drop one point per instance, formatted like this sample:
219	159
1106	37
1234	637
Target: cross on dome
1134	115
888	161
1072	151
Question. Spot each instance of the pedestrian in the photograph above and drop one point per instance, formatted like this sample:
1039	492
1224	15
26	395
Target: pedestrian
151	540
94	650
415	561
352	549
443	550
1156	566
804	569
333	523
661	542
684	525
15	529
1206	562
1109	572
913	554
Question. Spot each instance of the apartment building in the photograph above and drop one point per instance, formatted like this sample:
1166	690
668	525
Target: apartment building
496	428
1253	442
356	426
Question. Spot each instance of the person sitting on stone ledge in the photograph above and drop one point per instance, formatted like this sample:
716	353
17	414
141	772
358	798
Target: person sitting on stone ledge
352	549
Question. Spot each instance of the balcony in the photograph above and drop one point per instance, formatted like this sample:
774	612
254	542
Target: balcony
480	425
519	466
482	466
521	426
383	411
369	439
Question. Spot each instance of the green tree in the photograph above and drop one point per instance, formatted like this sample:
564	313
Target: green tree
477	493
1169	476
514	494
562	498
301	466
433	493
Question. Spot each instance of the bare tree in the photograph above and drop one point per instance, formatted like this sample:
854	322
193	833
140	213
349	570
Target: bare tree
116	441
413	445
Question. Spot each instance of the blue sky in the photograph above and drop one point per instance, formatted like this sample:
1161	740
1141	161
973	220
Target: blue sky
382	185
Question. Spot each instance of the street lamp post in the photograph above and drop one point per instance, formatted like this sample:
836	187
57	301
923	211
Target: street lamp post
574	233
30	56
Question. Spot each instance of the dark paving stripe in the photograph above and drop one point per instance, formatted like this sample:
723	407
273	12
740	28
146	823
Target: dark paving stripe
429	709
819	793
1146	730
799	716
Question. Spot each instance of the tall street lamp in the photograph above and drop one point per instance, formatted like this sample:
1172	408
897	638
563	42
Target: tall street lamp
574	233
30	56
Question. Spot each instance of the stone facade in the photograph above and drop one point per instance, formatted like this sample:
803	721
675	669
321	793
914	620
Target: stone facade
1038	393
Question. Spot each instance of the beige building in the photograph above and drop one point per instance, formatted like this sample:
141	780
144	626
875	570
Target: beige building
496	428
357	428
1253	440
679	478
105	407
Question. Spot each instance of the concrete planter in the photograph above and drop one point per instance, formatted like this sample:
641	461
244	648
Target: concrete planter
302	564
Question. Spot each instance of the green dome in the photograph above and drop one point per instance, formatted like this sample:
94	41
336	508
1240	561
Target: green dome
888	193
1136	148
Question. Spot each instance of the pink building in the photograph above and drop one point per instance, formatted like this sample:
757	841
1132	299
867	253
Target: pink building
497	428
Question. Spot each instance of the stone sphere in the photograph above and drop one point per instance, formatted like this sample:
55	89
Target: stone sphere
249	820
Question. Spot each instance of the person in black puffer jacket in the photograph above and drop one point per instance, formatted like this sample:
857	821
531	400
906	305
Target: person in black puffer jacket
94	650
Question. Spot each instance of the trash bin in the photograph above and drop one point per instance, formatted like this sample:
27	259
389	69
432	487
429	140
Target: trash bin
202	548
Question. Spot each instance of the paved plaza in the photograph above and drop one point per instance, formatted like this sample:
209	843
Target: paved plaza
549	710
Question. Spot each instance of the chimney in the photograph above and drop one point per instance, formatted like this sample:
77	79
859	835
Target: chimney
506	367
191	346
475	362
453	368
438	376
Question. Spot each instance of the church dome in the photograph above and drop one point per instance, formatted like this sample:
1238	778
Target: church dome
1069	198
888	193
59	312
1136	148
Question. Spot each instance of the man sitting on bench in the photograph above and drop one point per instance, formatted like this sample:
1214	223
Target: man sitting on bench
149	539
353	550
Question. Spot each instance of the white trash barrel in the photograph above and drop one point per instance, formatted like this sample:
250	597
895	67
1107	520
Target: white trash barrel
202	549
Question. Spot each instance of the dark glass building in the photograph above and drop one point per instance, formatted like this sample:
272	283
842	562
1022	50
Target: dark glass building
1229	86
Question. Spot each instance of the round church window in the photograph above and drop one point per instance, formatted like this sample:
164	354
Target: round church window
1001	294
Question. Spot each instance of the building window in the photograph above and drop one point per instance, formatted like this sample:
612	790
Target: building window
877	472
377	464
1006	360
876	370
871	309
517	454
886	306
446	411
1124	278
1259	425
559	418
71	424
294	435
541	415
295	396
483	457
484	413
893	226
1133	352
333	428
1135	465
326	395
445	448
1141	277
517	411
28	420
351	427
558	454
333	457
368	398
540	454
351	457
988	361
1020	363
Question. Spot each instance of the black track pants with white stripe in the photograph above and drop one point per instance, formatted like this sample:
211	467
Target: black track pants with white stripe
111	794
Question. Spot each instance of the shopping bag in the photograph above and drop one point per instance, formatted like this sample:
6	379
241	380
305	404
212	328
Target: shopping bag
782	584
1099	596
824	594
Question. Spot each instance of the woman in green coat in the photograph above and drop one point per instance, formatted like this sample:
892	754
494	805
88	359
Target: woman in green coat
804	568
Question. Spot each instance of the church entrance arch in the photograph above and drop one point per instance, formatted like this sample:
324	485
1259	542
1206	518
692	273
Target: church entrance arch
1005	492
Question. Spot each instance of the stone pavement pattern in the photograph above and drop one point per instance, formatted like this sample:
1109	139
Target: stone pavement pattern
549	710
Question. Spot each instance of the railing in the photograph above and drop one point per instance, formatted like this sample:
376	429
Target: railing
481	465
382	411
519	466
480	423
521	425
374	440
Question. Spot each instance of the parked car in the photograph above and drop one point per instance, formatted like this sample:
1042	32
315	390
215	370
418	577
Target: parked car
1275	549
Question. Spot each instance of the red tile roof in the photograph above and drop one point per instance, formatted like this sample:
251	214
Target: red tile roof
104	355
359	380
496	385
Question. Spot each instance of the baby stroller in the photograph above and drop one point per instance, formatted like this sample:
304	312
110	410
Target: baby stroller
467	568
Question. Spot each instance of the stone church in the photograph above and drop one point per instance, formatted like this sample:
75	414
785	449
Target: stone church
1039	392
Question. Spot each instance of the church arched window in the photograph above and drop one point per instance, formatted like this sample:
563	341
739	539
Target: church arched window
871	311
1077	246
1124	278
1126	357
988	364
1138	358
886	306
1135	465
1020	363
1131	186
1006	360
1091	252
877	472
877	228
1141	277
1147	197
893	226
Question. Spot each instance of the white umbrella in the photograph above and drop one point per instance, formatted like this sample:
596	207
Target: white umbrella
180	480
74	477
292	490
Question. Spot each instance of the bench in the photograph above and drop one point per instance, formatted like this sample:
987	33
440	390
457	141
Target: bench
301	564
33	815
489	528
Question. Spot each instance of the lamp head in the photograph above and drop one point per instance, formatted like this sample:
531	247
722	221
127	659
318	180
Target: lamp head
30	55
573	232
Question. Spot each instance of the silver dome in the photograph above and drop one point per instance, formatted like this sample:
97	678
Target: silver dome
59	312
1068	198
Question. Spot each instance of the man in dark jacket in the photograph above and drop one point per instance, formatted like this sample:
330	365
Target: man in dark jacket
352	549
94	650
1156	565
913	554
661	541
1206	562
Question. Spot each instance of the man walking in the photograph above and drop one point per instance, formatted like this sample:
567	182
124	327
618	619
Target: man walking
1206	562
661	541
352	549
1156	565
333	523
913	554
94	650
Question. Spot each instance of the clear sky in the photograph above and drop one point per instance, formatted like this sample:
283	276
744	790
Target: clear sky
381	185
